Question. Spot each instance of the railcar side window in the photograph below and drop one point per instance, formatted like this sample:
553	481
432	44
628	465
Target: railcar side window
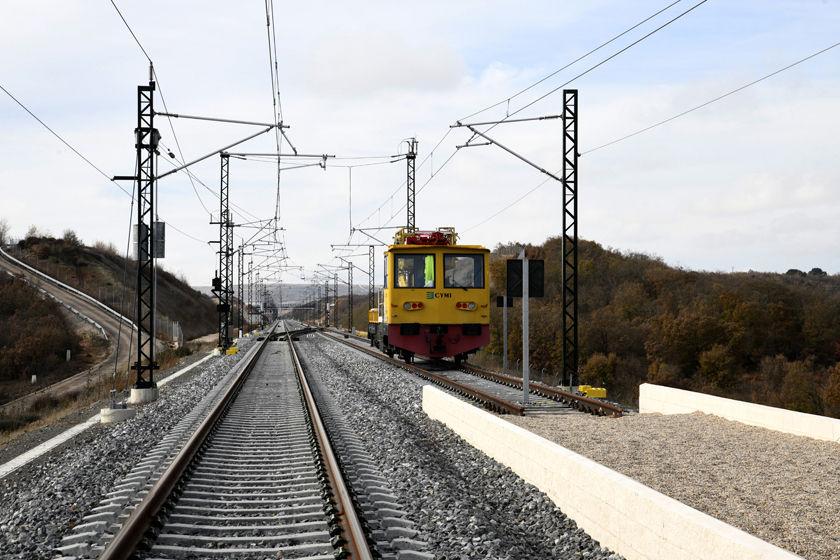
414	271
463	271
385	268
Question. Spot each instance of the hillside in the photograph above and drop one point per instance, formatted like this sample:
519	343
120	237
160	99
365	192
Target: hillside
36	337
99	272
762	337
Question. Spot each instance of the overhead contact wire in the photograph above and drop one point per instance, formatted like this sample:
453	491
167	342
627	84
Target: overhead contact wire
631	45
713	100
573	62
75	151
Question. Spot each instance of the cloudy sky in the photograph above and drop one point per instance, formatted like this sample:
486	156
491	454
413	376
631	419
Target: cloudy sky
748	182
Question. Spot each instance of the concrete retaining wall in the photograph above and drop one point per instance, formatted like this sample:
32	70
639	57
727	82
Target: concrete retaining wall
622	514
666	400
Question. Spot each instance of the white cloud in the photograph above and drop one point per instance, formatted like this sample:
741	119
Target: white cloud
375	61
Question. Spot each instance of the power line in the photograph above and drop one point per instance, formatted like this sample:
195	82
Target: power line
132	33
515	202
194	177
166	109
552	91
84	158
713	100
631	45
573	62
654	126
431	154
65	142
187	234
177	143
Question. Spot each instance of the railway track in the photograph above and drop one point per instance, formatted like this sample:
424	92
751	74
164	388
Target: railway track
492	398
258	478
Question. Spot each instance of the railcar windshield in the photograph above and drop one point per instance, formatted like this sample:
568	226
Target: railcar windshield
463	271
414	271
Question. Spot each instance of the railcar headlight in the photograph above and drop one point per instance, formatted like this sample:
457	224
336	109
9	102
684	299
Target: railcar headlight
407	305
471	305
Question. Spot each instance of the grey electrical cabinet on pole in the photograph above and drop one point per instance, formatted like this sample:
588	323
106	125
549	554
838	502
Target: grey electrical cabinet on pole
159	240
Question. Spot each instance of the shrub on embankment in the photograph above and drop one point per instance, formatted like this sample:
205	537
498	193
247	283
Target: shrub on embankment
768	338
34	335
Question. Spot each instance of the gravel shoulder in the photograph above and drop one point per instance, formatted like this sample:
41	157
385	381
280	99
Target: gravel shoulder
464	504
46	498
22	443
782	488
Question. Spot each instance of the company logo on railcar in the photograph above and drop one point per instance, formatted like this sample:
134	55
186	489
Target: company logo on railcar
433	295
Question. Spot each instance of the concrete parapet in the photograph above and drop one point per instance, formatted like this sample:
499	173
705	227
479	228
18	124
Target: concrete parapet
112	415
667	400
619	512
142	396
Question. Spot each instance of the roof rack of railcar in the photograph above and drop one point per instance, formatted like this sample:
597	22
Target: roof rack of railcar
415	236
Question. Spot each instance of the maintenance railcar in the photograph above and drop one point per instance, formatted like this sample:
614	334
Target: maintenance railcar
436	297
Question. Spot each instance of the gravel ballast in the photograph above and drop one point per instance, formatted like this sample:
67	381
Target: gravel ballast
464	504
784	489
43	500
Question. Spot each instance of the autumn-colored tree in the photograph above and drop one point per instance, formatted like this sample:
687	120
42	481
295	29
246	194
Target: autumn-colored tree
35	334
801	389
770	338
718	366
599	370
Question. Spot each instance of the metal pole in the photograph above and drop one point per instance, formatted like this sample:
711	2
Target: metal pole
250	291
241	288
146	142
504	315
371	302
570	233
350	298
410	160
525	349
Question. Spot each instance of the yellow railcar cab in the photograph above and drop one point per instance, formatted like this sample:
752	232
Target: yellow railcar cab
436	297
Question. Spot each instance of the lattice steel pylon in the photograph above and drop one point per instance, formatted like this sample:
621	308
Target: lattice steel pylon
570	232
240	287
146	142
335	299
327	303
250	291
371	269
350	298
410	159
225	289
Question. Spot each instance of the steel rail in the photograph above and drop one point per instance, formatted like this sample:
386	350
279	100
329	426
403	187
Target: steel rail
577	401
356	542
492	402
133	532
